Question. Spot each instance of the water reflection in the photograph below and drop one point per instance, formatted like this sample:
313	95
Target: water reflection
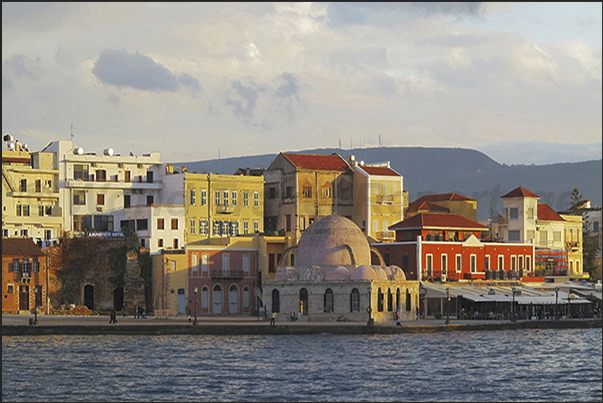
544	365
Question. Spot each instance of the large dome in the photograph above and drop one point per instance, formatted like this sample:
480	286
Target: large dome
329	241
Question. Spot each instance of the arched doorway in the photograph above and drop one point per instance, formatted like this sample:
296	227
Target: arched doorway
89	296
303	301
233	299
276	301
118	298
217	299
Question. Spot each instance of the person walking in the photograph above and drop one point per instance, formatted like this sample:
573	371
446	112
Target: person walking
113	316
273	319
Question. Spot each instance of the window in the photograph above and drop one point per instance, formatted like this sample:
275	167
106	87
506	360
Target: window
234	198
245	263
174	223
355	300
160	223
175	243
288	192
328	302
205	297
326	192
487	262
556	236
288	222
307	191
473	263
217	197
272	193
100	199
217	228
531	213
513	213
513	263
501	261
245	199
160	243
444	265
79	197
203	227
256	226
103	223
149	176
429	265
256	199
204	263
10	288
544	239
195	263
142	224
514	236
150	200
459	264
101	175
233	228
302	223
193	197
127	201
225	264
531	235
41	211
226	198
193	226
38	185
35	267
245	297
271	263
80	172
595	226
127	176
520	267
245	227
203	197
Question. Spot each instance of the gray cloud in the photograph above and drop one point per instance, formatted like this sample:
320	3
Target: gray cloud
22	67
379	13
7	84
120	69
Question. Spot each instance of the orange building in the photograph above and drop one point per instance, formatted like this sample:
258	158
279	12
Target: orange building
24	280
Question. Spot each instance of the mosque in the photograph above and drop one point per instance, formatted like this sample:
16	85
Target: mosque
333	279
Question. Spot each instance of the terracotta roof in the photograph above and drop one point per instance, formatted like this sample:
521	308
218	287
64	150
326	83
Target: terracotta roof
547	214
20	247
333	162
443	197
520	192
382	171
438	220
425	205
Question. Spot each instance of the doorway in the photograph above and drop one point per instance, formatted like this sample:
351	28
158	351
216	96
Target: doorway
89	296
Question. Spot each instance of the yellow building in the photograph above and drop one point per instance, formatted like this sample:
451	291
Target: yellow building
301	188
170	281
444	203
378	199
30	195
218	205
572	235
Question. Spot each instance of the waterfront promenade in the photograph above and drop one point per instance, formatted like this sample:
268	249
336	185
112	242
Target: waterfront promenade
15	325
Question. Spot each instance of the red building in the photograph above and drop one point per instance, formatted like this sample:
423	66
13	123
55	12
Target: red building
449	247
24	282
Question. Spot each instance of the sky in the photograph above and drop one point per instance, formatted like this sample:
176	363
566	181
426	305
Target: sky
198	81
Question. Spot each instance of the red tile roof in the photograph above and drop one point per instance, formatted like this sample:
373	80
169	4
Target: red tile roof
333	162
20	247
443	197
438	220
425	205
547	214
382	171
520	192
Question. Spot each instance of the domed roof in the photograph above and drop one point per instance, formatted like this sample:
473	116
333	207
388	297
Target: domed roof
312	274
339	273
286	273
381	272
397	272
330	241
364	272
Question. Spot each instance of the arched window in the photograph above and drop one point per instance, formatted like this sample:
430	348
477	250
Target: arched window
217	299
233	299
380	297
355	300
205	298
246	297
398	299
390	300
328	300
276	301
303	301
408	301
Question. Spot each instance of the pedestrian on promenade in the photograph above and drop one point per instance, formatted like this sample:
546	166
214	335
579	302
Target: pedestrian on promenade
113	316
123	310
273	319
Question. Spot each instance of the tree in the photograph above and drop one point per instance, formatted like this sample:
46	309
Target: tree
590	247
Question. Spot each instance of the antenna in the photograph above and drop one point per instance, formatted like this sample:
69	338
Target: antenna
72	128
340	143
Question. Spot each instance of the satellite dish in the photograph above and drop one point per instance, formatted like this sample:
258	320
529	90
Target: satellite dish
78	151
108	151
11	146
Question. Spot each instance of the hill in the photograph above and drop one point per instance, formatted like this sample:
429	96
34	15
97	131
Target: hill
465	171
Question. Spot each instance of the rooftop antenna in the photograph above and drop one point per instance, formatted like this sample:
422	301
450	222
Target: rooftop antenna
72	127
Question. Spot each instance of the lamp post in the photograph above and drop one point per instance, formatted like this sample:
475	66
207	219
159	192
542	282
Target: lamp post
195	290
556	300
513	306
35	322
448	306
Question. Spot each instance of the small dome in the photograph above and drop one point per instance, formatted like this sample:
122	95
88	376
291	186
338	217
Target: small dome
329	241
312	274
339	273
364	272
286	273
380	272
397	272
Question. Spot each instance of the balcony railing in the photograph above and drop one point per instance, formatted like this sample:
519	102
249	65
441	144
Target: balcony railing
384	199
225	209
227	275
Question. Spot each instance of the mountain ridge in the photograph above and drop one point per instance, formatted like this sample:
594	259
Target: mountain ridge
470	172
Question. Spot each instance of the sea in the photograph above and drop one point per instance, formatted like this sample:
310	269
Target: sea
539	365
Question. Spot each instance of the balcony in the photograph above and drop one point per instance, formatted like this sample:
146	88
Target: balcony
573	246
385	236
225	209
227	275
384	199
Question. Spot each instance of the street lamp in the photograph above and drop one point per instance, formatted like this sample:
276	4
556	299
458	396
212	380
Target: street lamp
513	306
35	322
448	306
556	300
195	290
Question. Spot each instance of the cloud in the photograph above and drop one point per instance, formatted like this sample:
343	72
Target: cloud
22	67
120	69
7	84
261	105
379	13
